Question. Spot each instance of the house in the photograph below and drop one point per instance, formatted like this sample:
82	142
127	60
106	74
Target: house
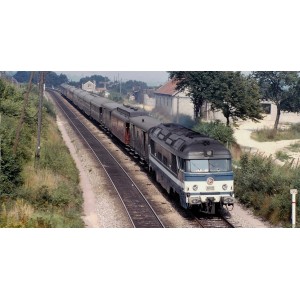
174	103
171	102
89	86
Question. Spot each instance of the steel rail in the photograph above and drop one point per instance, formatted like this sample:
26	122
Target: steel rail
139	210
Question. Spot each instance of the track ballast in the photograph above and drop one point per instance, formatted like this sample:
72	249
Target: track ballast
138	208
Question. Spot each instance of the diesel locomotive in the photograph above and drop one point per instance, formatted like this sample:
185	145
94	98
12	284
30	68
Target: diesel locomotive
191	167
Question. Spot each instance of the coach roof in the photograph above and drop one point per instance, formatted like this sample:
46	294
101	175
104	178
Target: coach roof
144	122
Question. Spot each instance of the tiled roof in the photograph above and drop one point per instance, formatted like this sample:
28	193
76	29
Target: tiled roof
167	89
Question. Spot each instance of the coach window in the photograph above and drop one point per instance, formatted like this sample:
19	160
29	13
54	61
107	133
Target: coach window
159	156
165	161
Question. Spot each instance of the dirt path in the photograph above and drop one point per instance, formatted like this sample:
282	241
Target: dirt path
89	205
243	137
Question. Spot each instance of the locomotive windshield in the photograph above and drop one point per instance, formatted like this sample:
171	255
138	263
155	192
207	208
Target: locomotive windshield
208	165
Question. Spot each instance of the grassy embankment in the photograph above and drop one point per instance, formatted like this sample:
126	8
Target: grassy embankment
263	185
41	193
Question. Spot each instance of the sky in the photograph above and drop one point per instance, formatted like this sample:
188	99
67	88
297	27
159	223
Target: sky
152	78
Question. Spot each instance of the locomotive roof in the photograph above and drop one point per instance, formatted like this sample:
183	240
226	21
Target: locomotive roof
144	122
187	143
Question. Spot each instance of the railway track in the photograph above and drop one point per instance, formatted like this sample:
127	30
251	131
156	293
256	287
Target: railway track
207	221
139	210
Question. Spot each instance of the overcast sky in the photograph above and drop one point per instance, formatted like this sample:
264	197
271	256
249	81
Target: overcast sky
150	77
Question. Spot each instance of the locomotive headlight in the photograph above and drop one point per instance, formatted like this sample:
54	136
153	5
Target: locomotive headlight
224	187
195	187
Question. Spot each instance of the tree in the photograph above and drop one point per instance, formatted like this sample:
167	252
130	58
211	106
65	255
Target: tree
237	97
234	94
52	78
198	86
281	88
55	80
99	79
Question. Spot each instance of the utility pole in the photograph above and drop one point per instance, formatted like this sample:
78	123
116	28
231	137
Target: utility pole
21	121
41	93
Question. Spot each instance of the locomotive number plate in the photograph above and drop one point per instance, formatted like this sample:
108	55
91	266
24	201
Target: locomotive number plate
210	188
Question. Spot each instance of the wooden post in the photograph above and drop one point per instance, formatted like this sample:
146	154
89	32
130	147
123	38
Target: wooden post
41	93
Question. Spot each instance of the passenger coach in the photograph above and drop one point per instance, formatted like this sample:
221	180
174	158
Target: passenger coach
139	135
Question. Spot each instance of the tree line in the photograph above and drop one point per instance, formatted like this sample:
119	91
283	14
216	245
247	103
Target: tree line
51	80
239	96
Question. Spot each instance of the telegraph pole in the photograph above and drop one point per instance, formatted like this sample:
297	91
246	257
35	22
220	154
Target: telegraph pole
21	120
41	93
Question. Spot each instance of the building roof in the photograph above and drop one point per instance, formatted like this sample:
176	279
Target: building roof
167	89
89	82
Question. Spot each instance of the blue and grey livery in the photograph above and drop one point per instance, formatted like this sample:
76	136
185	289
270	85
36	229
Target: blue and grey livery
191	166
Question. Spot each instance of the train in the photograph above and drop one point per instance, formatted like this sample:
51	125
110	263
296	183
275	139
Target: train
193	168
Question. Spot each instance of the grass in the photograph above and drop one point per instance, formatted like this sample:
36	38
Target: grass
266	134
282	156
51	186
294	147
47	194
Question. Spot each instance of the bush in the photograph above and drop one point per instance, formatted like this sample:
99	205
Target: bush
265	186
267	134
216	130
49	108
